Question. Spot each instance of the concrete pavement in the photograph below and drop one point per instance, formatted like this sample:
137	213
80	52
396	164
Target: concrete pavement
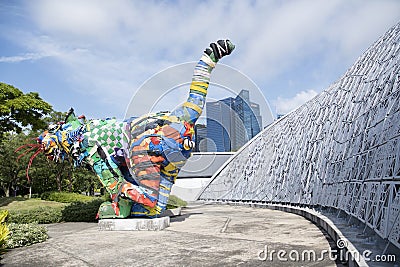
205	235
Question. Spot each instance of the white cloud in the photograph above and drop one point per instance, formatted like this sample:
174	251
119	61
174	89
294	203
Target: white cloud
111	47
78	19
286	105
20	58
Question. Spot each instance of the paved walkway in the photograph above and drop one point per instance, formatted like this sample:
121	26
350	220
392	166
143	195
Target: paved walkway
205	235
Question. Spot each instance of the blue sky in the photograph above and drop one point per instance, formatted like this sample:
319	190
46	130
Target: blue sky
94	55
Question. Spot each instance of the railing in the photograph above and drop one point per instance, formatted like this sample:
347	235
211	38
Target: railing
340	150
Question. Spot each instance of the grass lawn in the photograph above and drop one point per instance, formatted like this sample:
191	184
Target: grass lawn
26	204
20	203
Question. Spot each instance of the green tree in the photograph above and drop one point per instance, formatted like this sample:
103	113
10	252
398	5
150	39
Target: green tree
19	110
54	117
13	180
44	175
11	171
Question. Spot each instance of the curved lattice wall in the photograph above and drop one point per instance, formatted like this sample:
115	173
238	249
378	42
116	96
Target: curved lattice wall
341	149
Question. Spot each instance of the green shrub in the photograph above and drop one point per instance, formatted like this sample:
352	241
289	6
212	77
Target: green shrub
82	211
65	197
35	196
4	231
25	235
175	202
37	215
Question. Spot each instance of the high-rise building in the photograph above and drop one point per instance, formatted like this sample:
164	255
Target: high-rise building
201	138
219	126
231	122
249	113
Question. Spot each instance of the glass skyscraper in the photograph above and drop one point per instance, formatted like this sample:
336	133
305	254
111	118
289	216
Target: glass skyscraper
231	122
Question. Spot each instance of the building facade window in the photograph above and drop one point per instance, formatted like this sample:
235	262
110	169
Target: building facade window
232	122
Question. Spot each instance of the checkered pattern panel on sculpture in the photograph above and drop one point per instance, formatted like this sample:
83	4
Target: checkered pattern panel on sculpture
108	133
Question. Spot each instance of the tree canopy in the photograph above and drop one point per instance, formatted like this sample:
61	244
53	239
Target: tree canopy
18	110
45	175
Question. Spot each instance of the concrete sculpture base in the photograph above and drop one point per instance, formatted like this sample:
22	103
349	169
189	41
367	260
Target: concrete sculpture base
134	224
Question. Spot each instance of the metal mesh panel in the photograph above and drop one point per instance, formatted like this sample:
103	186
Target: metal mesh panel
341	149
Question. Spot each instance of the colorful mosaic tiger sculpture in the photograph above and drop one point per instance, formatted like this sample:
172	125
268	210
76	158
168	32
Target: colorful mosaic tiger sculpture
136	160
